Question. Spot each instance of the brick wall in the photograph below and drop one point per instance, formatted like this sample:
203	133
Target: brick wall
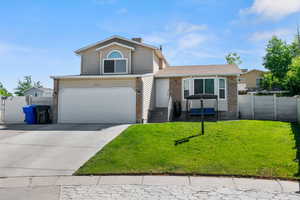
55	101
175	88
232	93
176	94
139	100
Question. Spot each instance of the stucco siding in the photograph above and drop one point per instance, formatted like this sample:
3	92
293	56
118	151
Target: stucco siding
148	96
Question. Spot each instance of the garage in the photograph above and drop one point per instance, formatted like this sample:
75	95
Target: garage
97	105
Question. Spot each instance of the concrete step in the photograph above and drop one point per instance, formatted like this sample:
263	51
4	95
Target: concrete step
159	115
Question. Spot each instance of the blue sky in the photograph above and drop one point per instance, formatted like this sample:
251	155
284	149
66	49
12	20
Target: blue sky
38	37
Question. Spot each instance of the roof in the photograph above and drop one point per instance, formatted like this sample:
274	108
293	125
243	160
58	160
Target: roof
42	89
113	37
199	70
156	49
126	76
252	70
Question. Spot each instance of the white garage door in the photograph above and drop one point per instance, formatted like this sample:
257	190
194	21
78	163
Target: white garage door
97	105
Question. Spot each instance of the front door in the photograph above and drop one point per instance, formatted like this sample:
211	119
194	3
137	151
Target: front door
162	93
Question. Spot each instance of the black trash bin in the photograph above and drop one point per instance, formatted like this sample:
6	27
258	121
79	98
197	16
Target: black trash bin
43	114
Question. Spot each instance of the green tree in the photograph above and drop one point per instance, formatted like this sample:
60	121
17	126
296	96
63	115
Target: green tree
25	84
270	82
293	77
296	45
233	58
278	57
3	91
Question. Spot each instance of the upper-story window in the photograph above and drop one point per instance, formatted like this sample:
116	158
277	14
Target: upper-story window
115	63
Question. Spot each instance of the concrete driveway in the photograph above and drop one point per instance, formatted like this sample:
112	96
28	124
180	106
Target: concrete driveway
56	149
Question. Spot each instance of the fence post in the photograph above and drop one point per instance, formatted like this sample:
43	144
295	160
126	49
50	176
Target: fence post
275	106
252	106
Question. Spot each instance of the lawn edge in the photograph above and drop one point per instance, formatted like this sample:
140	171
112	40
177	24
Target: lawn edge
188	174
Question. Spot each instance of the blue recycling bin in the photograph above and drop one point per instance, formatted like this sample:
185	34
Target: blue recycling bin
30	114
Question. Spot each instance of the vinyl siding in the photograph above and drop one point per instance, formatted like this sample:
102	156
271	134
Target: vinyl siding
90	63
156	63
142	60
148	96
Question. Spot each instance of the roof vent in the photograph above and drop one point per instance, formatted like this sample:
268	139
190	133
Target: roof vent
137	39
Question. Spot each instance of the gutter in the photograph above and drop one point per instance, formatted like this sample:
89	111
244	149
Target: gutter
101	76
181	75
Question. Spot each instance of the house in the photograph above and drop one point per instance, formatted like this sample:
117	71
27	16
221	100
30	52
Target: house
39	92
250	80
122	80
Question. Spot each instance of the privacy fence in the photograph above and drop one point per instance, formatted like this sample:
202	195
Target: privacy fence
11	108
269	108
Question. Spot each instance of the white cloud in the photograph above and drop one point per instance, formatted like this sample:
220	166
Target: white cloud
184	27
273	9
156	39
191	40
184	42
266	35
122	11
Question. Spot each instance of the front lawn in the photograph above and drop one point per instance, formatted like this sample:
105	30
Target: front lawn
255	148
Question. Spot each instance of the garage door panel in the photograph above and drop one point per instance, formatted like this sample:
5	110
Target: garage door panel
97	105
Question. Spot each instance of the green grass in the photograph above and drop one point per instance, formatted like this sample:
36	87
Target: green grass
244	148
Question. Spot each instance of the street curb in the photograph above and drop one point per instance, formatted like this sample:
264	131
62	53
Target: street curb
199	181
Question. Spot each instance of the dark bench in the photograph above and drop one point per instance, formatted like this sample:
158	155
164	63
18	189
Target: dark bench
198	111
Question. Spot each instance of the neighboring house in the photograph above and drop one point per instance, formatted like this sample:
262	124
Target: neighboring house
39	92
123	80
250	80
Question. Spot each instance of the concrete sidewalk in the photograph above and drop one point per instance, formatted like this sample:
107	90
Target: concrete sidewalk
65	187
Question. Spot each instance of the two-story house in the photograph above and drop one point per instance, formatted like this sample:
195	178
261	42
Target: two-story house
122	80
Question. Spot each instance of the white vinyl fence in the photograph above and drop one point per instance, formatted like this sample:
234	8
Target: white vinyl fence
269	108
11	108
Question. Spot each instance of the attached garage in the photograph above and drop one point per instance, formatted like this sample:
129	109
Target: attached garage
97	105
96	101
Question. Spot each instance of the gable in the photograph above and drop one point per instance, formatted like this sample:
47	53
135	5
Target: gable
116	39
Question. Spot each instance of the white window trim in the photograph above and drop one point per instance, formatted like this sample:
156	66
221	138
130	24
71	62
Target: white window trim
112	52
115	50
115	65
115	43
204	83
225	87
216	86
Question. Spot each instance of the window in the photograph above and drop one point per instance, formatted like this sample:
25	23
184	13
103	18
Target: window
258	82
186	88
198	86
193	86
241	80
204	86
115	63
222	87
115	54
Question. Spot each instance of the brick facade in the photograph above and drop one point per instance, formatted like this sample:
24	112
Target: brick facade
175	88
176	94
139	100
55	101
